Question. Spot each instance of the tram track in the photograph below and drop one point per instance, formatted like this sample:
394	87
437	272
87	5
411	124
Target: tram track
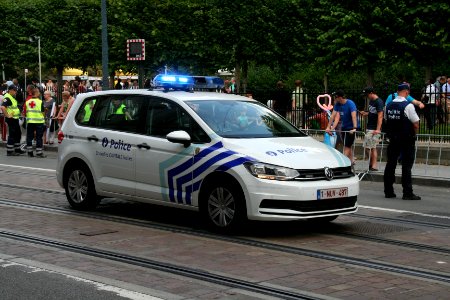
13	172
354	215
163	267
367	263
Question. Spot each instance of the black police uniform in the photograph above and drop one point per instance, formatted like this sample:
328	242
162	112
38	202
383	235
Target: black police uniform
400	131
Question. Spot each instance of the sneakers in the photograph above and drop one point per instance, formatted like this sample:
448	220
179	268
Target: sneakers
390	195
41	155
12	154
411	197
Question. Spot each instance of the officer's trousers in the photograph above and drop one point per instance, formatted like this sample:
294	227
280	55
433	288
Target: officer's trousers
405	146
33	128
14	135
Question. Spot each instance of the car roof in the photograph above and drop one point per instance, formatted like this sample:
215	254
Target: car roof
175	95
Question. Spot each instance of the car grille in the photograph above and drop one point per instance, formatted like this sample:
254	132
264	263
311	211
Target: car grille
319	174
310	206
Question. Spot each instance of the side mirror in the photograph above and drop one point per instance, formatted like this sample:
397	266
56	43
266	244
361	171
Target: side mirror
179	137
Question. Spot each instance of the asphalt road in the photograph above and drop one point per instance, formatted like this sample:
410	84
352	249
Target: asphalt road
28	282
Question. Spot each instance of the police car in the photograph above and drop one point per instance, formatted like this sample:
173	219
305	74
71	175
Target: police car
227	156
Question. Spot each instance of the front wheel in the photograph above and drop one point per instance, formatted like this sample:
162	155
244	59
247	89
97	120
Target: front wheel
223	206
80	189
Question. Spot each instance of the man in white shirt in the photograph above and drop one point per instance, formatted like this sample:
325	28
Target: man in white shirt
430	97
299	102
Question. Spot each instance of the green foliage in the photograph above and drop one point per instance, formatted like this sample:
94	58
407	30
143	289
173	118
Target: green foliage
355	43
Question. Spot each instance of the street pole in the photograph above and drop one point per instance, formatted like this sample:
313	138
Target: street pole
26	71
105	62
40	68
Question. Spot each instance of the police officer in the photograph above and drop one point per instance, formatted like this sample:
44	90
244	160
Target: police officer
12	113
402	126
34	109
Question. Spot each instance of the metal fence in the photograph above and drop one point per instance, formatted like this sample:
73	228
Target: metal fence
432	155
308	116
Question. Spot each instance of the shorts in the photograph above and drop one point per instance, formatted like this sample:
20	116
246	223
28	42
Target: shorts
371	140
349	138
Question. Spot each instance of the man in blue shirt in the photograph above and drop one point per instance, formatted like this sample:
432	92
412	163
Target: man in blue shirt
345	110
409	99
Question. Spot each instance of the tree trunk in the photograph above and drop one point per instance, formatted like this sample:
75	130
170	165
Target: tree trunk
244	76
370	76
428	70
59	80
237	76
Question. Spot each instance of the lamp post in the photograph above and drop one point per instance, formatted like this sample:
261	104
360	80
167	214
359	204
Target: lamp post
32	39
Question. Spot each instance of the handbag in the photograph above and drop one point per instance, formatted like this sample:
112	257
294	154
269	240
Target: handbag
330	139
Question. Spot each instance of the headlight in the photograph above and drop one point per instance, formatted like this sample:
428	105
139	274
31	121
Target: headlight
271	172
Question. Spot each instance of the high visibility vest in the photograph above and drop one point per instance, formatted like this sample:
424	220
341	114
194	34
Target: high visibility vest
88	111
12	110
120	110
34	111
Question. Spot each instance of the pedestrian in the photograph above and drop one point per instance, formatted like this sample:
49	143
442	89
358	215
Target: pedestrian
402	126
11	112
50	122
35	123
299	102
118	85
410	99
67	101
430	97
281	99
345	110
373	129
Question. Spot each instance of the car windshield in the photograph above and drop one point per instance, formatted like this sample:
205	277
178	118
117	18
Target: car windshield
242	119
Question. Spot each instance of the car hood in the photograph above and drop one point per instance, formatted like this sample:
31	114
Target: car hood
292	152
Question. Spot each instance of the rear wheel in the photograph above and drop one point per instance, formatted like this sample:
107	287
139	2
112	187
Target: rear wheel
80	189
223	206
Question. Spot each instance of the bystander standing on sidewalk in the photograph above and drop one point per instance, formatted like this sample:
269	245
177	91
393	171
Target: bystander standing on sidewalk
373	129
345	110
430	97
12	113
402	126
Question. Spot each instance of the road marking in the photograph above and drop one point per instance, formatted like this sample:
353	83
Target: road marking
125	293
404	211
27	168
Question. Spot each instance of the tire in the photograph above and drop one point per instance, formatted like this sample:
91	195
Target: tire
80	189
223	206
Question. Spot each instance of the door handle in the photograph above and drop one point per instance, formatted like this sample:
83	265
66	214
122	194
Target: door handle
92	138
144	145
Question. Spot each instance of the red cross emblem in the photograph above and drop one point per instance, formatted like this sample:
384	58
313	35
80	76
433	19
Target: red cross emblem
32	104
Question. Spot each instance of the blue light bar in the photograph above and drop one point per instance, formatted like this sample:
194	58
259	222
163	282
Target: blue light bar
175	82
168	78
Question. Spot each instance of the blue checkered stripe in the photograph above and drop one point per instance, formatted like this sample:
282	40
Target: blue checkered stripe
186	176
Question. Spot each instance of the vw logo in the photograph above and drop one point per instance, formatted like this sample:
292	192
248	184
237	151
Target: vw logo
271	153
105	142
328	173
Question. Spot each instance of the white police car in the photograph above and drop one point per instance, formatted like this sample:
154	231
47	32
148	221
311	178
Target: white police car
227	156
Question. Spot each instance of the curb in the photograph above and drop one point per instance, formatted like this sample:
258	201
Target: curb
417	180
48	148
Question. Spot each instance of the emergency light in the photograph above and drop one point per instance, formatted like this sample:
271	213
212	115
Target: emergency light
175	82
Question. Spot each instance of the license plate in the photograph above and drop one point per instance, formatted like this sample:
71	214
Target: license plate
332	193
